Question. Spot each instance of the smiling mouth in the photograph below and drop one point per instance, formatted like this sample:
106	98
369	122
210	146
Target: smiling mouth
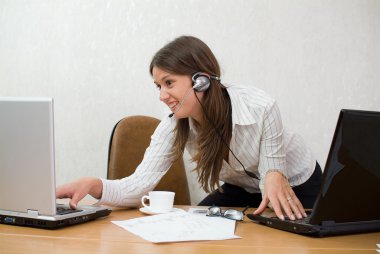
173	106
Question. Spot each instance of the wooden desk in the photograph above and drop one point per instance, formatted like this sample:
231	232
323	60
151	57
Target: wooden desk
102	236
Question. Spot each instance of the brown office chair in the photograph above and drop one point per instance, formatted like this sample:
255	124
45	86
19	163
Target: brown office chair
129	140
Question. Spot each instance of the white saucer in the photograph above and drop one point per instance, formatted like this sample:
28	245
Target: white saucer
146	210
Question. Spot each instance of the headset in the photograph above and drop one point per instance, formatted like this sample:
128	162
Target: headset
201	81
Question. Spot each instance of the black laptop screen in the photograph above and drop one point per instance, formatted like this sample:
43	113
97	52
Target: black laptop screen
351	186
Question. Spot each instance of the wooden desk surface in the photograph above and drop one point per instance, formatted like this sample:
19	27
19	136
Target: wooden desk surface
102	236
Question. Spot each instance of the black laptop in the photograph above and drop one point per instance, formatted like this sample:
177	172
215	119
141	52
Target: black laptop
27	167
348	201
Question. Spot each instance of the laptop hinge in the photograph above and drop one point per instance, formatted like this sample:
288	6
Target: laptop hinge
33	212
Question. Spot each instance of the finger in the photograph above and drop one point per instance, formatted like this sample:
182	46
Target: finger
298	208
286	206
61	193
277	208
295	204
72	204
294	209
74	200
262	206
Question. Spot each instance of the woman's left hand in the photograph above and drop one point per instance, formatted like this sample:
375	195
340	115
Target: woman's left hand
278	192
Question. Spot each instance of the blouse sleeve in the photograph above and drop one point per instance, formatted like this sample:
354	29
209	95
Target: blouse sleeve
158	158
272	150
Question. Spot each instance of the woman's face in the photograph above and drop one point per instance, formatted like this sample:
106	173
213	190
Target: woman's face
177	93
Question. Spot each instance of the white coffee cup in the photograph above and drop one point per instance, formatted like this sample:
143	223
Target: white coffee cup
159	201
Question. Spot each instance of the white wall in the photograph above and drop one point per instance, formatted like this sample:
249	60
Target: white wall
315	57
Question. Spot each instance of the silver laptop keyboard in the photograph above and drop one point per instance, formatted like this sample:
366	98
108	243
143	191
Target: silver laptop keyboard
66	210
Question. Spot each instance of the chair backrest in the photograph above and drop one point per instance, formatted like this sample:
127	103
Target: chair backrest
129	140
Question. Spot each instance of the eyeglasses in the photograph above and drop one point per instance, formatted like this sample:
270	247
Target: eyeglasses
231	214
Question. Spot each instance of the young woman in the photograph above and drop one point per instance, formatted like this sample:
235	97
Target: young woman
233	133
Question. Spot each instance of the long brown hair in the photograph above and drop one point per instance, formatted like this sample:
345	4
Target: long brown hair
187	55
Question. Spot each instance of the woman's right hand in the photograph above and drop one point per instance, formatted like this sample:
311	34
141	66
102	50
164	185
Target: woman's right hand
78	189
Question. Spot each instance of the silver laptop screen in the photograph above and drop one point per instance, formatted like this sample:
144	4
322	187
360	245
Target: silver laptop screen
27	179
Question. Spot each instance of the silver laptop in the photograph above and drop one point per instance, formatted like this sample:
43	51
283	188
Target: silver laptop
27	180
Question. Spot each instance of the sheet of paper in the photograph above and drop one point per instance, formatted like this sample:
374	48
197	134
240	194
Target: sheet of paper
198	211
180	226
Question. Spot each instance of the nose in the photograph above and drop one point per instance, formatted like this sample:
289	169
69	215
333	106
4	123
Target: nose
164	95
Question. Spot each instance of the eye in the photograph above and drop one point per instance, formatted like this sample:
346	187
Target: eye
158	86
169	83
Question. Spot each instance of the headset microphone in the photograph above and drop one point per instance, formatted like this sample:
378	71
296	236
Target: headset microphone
181	102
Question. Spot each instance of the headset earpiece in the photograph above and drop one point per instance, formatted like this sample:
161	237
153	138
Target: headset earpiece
201	81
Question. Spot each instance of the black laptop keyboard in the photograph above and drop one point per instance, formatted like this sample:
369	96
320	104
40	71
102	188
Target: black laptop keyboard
300	221
66	210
